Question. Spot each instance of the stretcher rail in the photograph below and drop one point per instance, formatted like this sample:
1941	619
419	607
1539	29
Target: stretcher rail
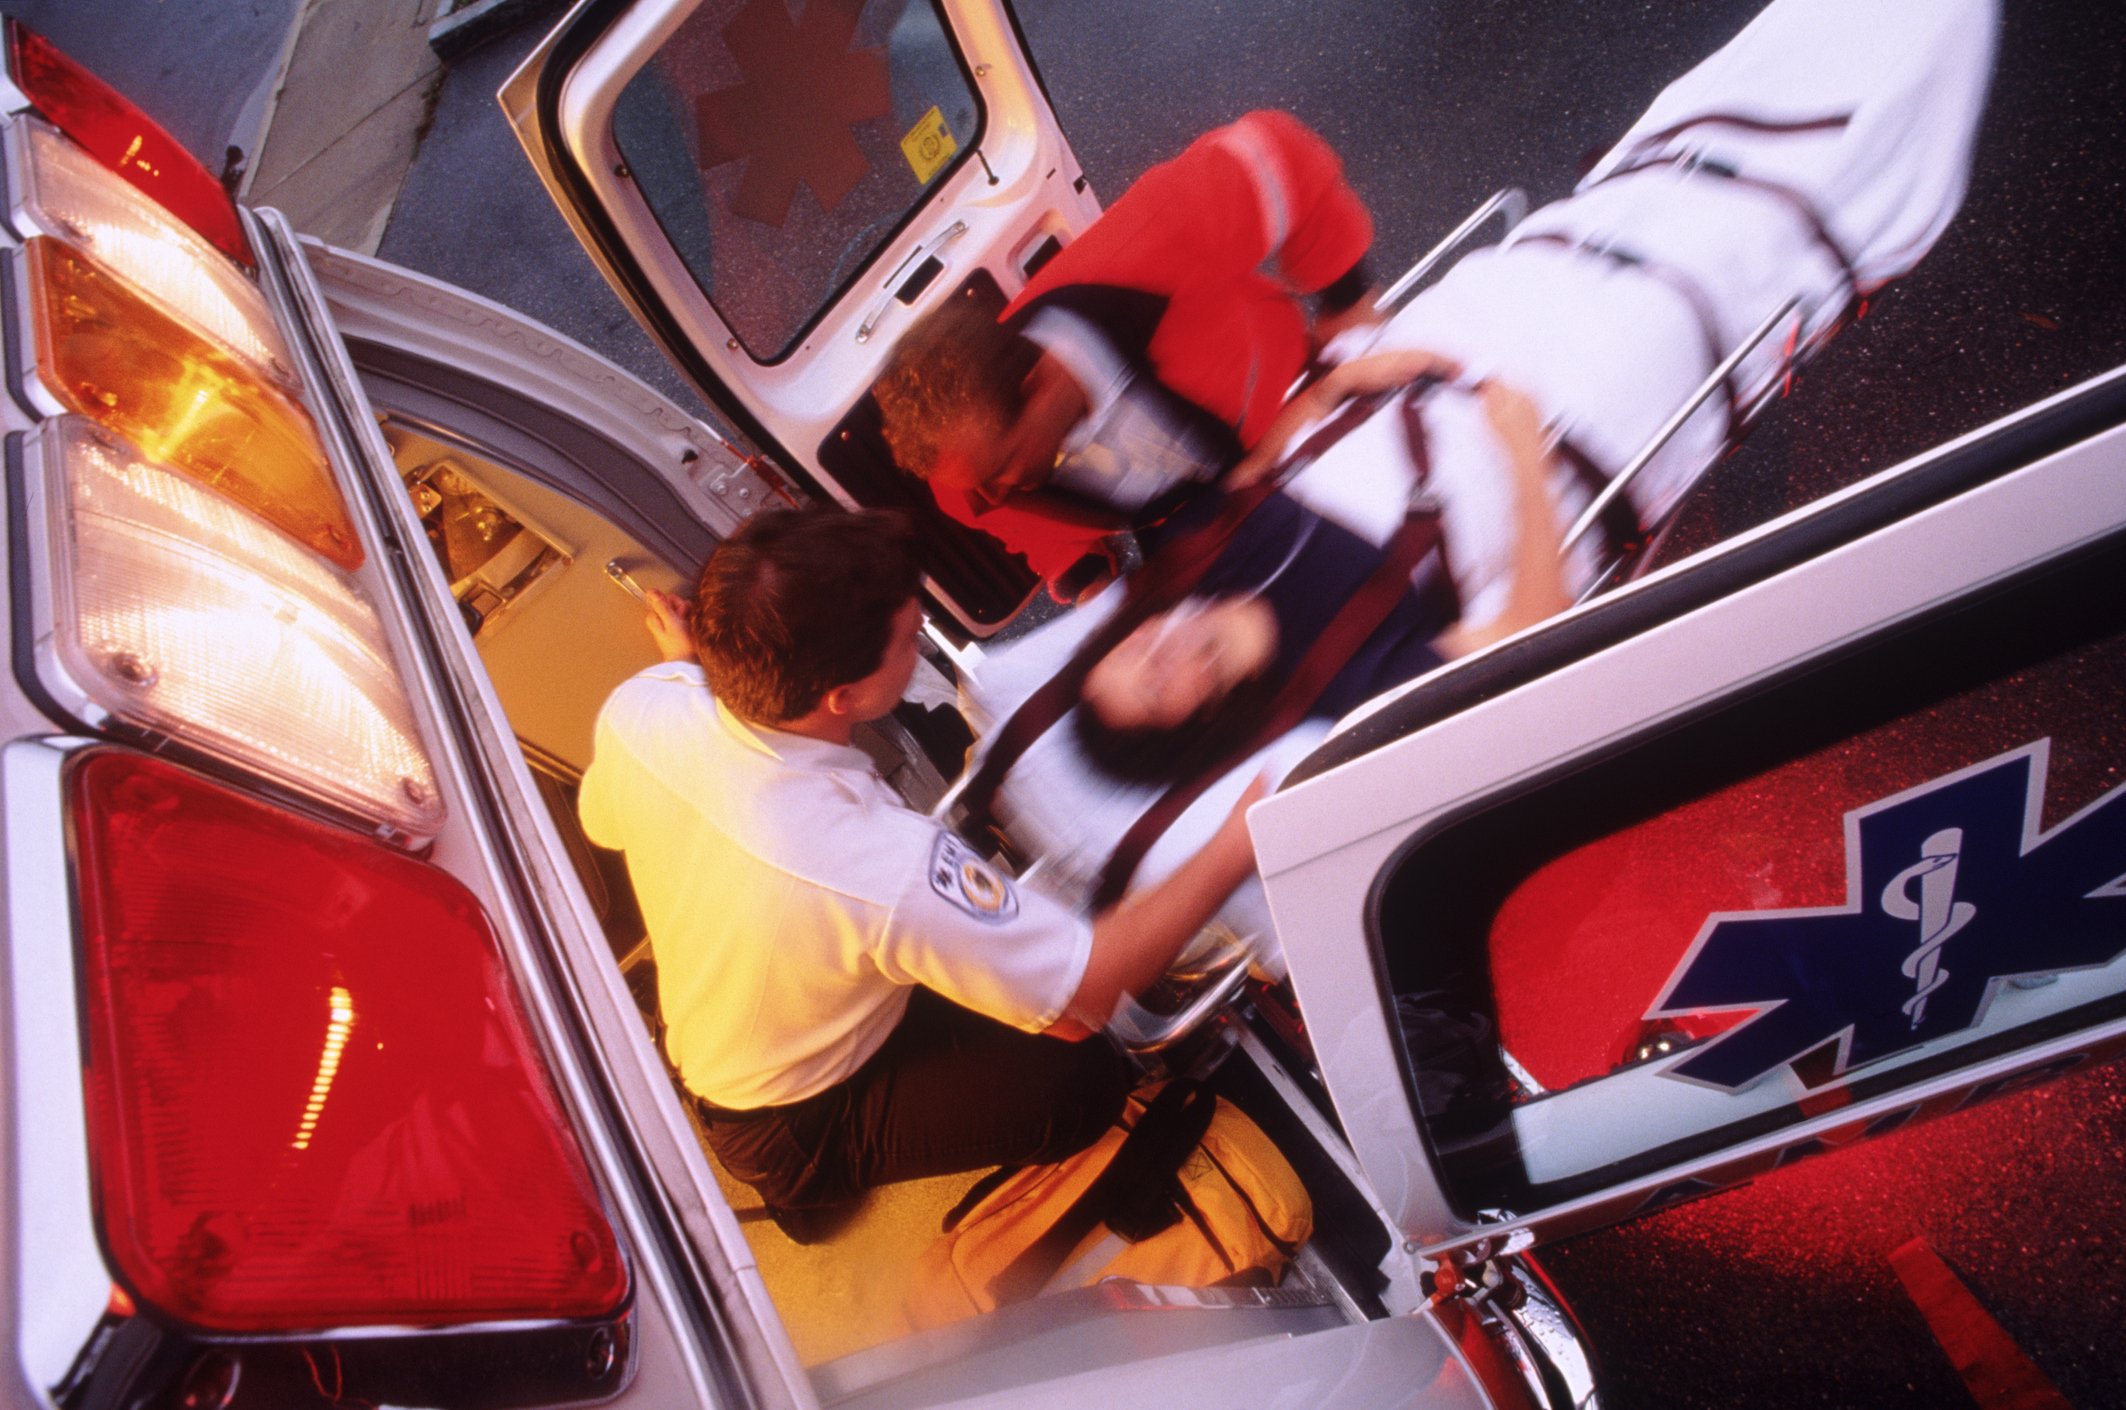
1592	514
1512	203
1143	1032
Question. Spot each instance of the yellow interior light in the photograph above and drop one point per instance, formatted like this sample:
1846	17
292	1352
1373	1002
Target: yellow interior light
185	402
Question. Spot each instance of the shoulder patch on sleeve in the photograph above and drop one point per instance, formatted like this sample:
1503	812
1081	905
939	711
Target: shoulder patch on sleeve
965	879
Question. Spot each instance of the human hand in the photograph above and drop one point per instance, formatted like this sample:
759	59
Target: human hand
1387	371
1328	327
1257	463
666	619
1374	372
1517	420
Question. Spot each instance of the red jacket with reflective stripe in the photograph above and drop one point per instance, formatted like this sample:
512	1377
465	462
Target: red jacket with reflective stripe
1231	233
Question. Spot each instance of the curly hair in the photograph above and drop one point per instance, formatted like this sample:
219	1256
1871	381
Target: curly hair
955	364
797	602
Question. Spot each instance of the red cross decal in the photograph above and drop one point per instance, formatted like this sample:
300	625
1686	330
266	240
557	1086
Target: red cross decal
790	118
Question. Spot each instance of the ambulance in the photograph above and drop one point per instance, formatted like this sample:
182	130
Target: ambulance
331	1045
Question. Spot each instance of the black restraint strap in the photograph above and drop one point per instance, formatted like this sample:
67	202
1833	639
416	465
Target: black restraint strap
1803	208
1829	122
1683	286
1166	577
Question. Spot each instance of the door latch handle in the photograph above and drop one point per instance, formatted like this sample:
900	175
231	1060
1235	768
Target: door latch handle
914	262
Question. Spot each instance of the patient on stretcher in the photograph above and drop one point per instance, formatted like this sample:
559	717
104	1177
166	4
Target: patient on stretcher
1774	187
1295	621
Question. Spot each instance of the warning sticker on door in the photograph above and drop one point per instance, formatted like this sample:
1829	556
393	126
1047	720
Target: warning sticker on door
929	145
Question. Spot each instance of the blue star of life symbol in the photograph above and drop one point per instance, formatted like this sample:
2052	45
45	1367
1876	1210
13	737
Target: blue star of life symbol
1952	889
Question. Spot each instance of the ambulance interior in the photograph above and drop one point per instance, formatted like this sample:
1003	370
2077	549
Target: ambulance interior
537	553
537	574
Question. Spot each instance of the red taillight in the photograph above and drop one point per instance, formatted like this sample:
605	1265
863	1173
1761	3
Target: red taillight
124	139
313	1101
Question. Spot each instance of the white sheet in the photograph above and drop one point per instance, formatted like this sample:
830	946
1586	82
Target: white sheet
1609	352
1061	809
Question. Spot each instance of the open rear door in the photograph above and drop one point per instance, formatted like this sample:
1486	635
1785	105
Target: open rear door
777	188
1762	856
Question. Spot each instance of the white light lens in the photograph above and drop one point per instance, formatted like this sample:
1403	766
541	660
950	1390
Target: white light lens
182	613
70	196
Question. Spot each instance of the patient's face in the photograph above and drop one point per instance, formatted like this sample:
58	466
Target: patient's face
1180	661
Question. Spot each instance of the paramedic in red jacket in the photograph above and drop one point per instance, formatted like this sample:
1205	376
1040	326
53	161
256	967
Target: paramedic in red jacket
1172	329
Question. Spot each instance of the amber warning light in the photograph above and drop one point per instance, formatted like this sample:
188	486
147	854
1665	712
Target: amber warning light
105	351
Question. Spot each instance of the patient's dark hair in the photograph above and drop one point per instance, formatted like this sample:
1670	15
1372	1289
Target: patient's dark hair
957	362
1165	754
799	601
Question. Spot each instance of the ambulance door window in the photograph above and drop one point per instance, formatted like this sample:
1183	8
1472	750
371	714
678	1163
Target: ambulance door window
780	146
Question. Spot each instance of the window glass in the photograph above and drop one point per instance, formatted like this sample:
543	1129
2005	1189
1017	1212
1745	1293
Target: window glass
780	143
1822	893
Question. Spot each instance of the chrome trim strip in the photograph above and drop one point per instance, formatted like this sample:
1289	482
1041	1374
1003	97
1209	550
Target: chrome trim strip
26	381
36	577
14	157
505	847
61	1284
1404	1293
1554	1334
1521	1232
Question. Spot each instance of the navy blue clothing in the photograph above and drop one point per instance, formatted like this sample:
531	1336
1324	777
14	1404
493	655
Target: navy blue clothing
1305	567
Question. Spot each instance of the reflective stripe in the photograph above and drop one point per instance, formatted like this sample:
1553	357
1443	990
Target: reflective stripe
1255	155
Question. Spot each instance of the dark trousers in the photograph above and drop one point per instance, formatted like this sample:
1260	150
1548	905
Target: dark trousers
950	1090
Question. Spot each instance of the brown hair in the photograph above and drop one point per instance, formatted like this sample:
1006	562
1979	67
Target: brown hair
955	364
1165	754
797	602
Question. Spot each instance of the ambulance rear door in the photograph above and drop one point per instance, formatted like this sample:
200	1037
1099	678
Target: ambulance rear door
778	188
1759	857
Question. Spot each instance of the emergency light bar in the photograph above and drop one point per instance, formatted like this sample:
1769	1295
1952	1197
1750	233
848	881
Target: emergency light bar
313	1100
182	613
105	351
65	193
